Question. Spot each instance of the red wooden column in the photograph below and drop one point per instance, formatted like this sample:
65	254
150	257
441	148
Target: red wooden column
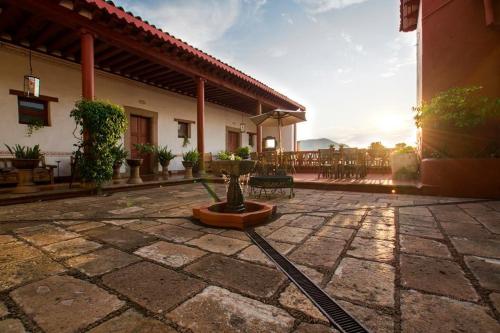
259	130
87	56
200	117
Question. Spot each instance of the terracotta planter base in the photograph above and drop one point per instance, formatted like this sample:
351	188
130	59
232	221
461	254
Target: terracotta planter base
255	213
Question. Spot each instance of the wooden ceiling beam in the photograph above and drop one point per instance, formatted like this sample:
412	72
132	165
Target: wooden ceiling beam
47	33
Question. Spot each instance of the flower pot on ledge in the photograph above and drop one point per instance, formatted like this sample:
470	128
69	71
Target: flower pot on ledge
135	165
116	172
25	169
188	172
461	177
164	170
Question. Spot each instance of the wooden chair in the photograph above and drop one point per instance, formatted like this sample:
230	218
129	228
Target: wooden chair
326	164
288	161
349	163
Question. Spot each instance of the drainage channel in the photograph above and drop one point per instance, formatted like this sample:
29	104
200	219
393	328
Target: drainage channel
337	316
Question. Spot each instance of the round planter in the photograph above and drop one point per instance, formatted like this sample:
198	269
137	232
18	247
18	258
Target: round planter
404	166
164	170
135	165
188	166
25	169
461	177
116	172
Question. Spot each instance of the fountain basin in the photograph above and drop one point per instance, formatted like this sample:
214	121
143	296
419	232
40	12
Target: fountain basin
215	215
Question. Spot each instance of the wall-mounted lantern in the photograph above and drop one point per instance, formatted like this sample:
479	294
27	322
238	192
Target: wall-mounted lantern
31	82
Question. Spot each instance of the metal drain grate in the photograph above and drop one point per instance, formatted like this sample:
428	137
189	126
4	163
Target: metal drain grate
339	317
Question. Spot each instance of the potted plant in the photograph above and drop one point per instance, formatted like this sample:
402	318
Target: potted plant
404	162
26	159
243	152
164	156
119	154
189	160
460	140
135	163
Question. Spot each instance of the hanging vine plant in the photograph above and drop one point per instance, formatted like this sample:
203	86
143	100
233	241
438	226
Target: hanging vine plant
101	126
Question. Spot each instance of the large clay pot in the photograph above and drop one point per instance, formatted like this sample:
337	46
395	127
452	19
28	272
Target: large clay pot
135	165
164	170
188	172
25	169
404	166
116	172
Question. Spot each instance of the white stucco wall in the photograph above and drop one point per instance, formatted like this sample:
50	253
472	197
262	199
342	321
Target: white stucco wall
63	80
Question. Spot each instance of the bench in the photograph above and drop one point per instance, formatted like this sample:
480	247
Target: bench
271	183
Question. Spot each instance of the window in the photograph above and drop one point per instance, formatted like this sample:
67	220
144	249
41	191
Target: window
251	139
184	128
270	143
33	111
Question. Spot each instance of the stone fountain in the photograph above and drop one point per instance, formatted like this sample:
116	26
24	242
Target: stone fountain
235	212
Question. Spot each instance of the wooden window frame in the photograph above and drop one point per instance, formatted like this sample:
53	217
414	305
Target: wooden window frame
252	137
188	125
45	100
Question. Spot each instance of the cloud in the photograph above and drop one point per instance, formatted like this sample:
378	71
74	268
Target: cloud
321	6
356	47
277	52
287	18
402	54
198	22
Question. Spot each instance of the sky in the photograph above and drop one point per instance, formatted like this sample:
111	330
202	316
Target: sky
345	60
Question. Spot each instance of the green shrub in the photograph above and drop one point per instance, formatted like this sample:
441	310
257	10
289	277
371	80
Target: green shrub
144	148
119	153
191	156
460	107
101	125
243	152
25	152
402	148
163	154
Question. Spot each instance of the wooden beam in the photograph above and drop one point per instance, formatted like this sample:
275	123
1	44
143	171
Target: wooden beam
48	32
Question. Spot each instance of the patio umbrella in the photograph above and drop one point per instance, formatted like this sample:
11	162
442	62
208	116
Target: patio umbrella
279	117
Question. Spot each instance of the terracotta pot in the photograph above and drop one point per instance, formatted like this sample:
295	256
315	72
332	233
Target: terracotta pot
23	163
134	164
461	177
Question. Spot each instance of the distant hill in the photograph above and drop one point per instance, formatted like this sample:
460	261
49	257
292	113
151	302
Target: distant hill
315	144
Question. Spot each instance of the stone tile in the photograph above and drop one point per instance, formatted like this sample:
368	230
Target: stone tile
364	281
311	273
319	252
68	223
314	328
156	288
478	247
11	326
422	246
170	254
17	251
374	320
290	234
386	212
101	261
45	234
245	277
219	244
436	276
127	210
419	221
132	322
466	230
19	272
389	221
235	234
173	233
3	310
495	299
374	249
436	314
346	221
420	211
452	214
124	239
270	227
420	231
307	222
85	226
254	254
142	224
492	224
71	247
212	230
219	310
120	222
293	298
4	239
486	270
57	303
335	232
379	231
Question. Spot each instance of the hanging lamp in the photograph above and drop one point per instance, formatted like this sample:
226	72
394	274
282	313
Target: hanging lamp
31	82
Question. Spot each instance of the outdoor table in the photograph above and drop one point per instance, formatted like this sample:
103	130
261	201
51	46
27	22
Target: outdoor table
272	183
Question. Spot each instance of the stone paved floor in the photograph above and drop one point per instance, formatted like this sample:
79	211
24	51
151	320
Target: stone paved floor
136	262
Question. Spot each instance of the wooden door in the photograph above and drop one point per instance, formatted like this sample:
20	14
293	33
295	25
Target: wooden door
233	141
140	133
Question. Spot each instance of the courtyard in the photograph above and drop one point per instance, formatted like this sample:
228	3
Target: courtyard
137	262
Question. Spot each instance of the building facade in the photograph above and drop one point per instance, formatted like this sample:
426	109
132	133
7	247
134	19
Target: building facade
94	50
